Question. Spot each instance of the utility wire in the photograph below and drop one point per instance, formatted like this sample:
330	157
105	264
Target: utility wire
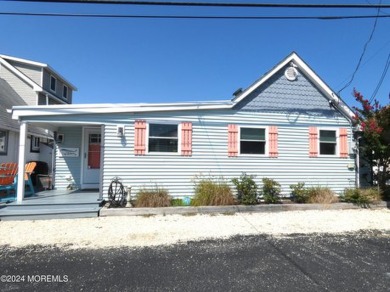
387	65
363	52
214	4
194	16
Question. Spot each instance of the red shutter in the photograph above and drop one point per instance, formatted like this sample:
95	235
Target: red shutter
139	137
313	142
232	140
273	141
343	143
186	139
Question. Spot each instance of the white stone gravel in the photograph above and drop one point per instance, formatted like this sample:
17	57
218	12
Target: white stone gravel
138	231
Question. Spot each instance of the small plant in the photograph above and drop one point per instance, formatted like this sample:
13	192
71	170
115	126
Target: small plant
362	197
321	195
246	189
271	191
298	193
177	203
212	192
153	197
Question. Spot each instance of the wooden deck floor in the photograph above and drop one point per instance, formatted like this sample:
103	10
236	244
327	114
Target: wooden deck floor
54	204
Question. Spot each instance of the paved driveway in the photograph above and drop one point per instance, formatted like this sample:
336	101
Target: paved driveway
354	262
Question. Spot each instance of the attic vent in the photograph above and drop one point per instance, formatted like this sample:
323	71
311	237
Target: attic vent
237	92
291	73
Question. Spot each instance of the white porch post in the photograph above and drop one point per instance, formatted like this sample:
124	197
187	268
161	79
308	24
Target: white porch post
22	161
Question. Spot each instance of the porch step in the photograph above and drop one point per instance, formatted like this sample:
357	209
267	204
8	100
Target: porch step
48	212
39	206
36	210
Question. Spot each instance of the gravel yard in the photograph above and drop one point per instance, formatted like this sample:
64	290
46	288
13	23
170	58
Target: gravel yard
135	231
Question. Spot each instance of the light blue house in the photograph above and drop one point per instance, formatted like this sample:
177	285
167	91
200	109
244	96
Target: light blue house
288	125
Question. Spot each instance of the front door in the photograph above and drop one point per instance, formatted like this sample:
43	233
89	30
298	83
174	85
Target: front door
92	148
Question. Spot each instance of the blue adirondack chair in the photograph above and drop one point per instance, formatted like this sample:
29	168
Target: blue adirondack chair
9	180
8	173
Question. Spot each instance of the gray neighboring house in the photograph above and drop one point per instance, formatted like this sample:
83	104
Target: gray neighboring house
288	125
24	82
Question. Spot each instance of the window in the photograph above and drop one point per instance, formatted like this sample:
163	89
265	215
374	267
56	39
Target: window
95	138
163	138
328	142
3	142
252	141
34	144
53	83
65	92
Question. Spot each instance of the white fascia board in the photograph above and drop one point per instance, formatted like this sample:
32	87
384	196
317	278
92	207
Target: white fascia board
58	110
20	60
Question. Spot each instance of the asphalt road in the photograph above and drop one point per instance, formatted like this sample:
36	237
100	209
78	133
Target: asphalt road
353	262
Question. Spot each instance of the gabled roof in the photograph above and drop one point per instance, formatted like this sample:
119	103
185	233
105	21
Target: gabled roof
293	59
5	58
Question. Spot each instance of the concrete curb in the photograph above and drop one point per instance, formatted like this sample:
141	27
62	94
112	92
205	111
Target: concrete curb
106	212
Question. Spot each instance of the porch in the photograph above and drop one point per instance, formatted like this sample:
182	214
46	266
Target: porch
54	204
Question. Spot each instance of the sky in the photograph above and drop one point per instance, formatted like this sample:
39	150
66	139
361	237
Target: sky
137	60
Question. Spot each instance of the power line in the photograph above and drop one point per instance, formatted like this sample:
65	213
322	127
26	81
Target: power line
363	52
387	65
214	4
194	16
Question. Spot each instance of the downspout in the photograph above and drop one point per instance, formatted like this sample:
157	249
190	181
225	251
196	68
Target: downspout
357	159
53	160
335	102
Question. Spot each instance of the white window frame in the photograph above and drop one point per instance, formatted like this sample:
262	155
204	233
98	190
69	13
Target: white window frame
266	147
178	138
35	144
6	138
337	152
55	83
63	92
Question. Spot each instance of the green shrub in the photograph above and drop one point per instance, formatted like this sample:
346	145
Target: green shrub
153	197
271	191
177	202
321	195
298	193
246	189
362	197
212	192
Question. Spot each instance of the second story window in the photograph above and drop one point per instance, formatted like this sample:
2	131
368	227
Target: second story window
53	83
65	92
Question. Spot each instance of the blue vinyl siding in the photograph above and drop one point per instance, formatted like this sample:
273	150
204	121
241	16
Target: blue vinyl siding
68	166
209	154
